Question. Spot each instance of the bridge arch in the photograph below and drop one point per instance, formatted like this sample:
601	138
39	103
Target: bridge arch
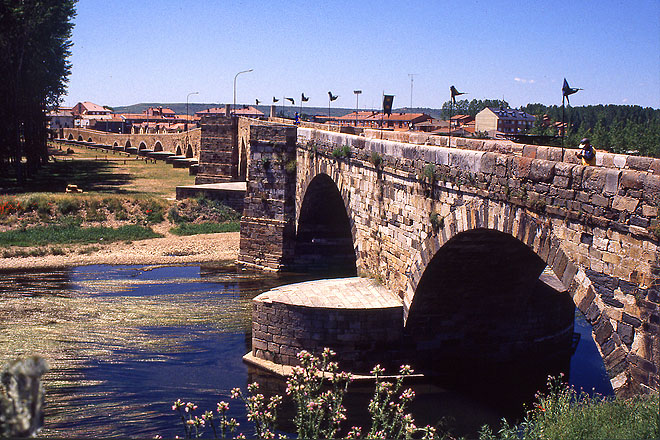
128	144
189	151
178	150
115	144
80	138
158	146
536	246
143	146
242	161
324	235
70	137
89	139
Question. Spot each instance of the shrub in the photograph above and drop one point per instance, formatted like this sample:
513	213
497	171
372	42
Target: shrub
291	166
342	152
69	205
93	212
9	207
437	222
428	173
153	209
376	159
39	204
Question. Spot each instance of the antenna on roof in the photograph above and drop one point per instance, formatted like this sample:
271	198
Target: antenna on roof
411	76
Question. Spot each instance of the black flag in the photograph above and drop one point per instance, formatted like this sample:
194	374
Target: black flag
257	101
332	97
304	98
275	99
454	94
291	101
568	90
388	100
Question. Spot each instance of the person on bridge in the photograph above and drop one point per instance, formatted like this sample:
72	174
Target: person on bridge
587	152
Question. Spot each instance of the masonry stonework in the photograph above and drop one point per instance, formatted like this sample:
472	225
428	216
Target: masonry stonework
593	226
176	143
267	225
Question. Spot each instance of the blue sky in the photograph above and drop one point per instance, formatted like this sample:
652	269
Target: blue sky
126	52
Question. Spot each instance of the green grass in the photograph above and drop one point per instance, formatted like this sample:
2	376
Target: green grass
562	413
69	234
205	228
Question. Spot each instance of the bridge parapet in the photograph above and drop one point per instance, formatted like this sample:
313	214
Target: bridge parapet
556	154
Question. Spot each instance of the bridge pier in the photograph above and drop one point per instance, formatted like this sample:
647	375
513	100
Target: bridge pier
356	317
268	221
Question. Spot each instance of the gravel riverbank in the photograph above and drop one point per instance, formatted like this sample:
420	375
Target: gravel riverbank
170	249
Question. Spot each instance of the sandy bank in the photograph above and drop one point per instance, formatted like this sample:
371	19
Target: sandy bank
170	249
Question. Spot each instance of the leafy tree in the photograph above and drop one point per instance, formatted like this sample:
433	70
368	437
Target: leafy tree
465	107
34	48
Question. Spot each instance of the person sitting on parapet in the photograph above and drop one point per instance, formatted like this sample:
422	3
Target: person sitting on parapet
587	153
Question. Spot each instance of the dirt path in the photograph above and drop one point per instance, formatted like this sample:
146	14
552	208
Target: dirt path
170	249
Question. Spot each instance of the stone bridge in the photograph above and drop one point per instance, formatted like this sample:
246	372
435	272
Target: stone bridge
181	144
486	246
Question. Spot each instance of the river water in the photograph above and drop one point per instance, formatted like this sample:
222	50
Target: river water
124	342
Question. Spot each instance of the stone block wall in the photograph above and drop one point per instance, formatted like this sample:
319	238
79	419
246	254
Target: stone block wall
267	225
218	154
362	337
596	227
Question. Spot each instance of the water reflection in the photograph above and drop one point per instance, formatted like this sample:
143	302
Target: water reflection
124	342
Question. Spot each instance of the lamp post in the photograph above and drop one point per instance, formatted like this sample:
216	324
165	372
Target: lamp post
187	113
357	106
236	76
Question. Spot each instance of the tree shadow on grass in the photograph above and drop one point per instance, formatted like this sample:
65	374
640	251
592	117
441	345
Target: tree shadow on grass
89	175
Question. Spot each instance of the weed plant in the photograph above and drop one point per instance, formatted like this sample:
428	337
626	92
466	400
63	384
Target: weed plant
317	388
563	413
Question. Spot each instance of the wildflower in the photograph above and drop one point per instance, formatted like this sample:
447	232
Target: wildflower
178	404
208	415
407	394
235	393
223	407
405	370
377	370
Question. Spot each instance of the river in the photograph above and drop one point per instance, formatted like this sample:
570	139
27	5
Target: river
124	342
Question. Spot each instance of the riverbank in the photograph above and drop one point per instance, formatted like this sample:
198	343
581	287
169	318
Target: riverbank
170	249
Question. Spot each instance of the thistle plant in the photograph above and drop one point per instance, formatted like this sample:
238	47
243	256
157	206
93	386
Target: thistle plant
194	425
263	415
319	413
388	413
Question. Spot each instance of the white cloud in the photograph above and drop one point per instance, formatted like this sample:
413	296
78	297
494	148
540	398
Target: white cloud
524	81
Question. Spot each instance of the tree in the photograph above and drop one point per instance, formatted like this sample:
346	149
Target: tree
34	48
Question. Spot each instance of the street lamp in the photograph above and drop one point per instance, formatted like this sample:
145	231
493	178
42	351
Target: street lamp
188	114
357	107
236	76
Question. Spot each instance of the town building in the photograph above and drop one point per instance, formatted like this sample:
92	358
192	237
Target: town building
372	119
503	121
60	118
244	110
